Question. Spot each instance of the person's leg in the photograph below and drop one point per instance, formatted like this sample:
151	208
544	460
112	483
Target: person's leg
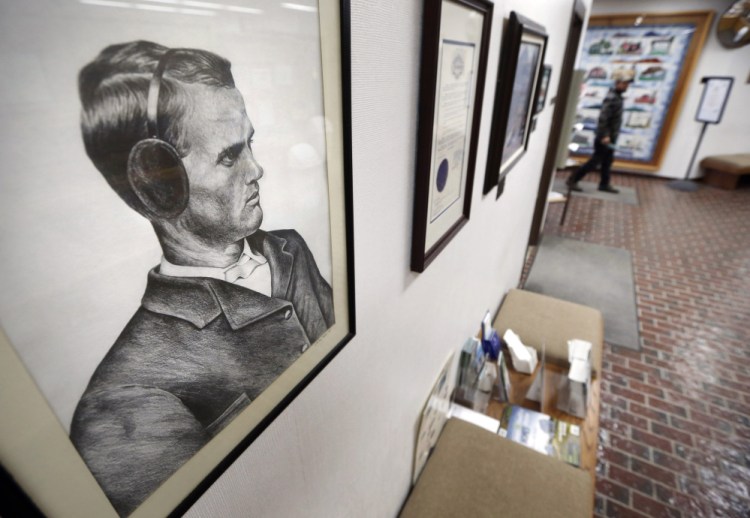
608	156
586	168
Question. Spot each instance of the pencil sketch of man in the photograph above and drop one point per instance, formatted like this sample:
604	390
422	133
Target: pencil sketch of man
229	308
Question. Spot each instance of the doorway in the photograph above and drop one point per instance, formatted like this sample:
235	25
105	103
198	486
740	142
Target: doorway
563	91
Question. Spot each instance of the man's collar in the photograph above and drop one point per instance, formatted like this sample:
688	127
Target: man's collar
199	300
176	270
281	261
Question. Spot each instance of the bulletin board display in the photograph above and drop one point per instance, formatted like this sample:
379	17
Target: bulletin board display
660	51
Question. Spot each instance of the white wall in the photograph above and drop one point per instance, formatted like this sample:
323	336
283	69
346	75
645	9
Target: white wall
344	447
733	134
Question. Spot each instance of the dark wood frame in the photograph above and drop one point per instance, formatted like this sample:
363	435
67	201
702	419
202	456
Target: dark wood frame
14	500
561	101
544	77
421	257
516	27
702	21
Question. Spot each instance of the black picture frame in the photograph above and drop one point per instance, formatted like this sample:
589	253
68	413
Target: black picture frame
433	227
31	488
542	89
519	31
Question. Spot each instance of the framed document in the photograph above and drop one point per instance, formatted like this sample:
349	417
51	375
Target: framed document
524	44
541	92
455	39
714	99
162	298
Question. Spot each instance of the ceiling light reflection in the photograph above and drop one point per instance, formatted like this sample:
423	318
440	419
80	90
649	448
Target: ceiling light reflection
160	8
299	7
107	3
241	9
197	12
204	5
192	7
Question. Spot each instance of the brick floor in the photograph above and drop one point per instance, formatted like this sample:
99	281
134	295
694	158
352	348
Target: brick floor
675	416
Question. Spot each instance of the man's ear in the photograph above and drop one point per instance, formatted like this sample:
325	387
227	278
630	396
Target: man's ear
158	178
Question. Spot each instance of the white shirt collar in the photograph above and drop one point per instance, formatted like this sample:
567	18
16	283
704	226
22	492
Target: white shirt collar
176	270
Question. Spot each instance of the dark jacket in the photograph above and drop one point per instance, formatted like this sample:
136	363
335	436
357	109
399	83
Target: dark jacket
195	354
610	116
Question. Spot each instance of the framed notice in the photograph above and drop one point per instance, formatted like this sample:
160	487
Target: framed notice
455	40
714	99
175	220
518	78
541	93
660	51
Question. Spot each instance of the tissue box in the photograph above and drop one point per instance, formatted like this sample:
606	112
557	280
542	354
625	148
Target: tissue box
524	357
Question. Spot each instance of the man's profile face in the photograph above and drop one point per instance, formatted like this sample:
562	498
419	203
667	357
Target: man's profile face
622	86
224	204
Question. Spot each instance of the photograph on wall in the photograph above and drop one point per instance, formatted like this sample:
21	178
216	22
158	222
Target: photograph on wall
174	235
659	54
541	95
523	85
519	77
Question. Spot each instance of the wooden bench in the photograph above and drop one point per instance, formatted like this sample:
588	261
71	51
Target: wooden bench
725	171
476	473
473	472
543	320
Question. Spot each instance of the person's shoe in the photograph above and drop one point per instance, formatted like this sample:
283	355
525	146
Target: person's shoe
608	188
573	186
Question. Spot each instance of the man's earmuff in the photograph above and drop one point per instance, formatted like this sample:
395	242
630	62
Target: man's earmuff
155	170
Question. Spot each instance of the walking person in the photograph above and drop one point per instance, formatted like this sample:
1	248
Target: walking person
607	130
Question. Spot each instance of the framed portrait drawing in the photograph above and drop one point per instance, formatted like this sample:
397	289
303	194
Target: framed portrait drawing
176	227
541	91
660	52
455	40
522	55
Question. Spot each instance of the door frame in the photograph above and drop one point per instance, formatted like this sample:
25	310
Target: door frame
577	19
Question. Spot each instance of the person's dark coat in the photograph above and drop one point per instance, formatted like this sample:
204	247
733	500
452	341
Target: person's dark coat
196	353
610	117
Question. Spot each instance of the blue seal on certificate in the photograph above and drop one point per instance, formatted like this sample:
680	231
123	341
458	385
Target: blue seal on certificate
442	175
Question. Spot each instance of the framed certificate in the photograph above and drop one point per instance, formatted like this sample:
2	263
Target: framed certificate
455	41
176	227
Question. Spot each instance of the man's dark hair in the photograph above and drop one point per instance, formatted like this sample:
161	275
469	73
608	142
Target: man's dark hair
114	91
